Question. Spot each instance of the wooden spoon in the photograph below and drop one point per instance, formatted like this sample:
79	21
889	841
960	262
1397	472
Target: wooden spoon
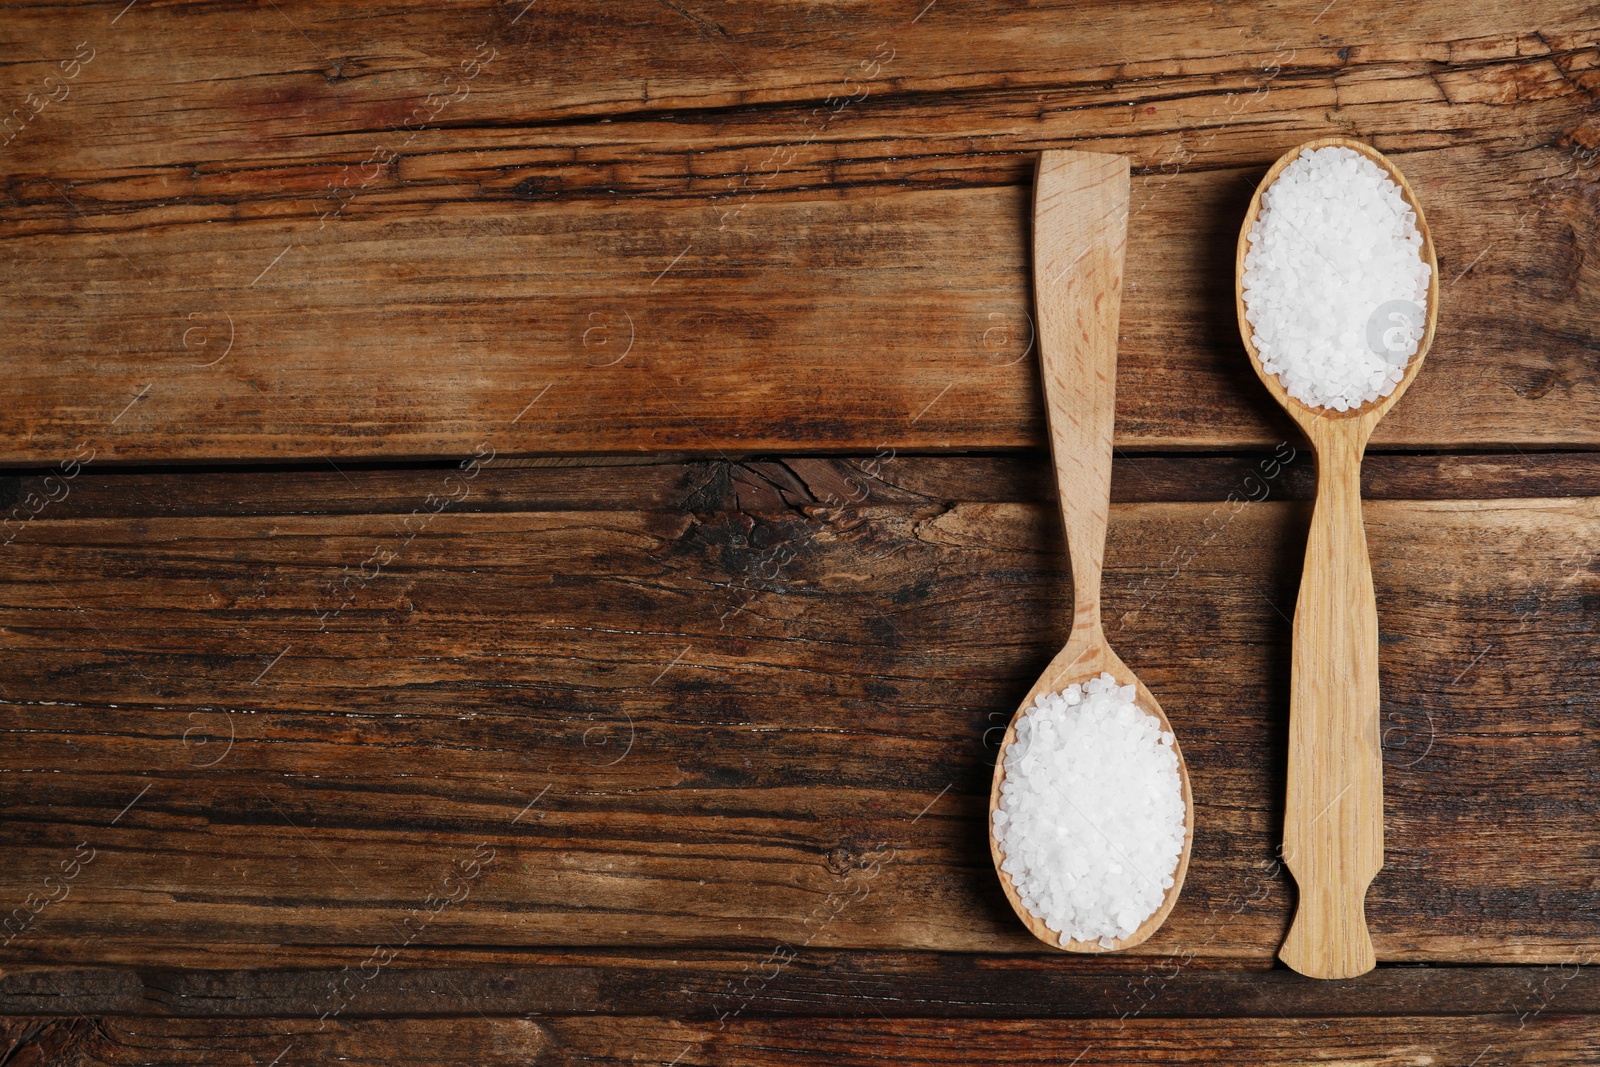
1080	230
1333	819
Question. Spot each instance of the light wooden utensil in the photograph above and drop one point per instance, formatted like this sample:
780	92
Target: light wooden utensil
1080	230
1333	818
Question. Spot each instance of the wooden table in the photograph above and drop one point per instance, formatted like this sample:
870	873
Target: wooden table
522	521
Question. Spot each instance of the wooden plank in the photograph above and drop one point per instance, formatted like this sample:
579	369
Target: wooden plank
871	293
243	82
1507	91
776	485
785	981
892	320
1495	1041
699	729
1509	96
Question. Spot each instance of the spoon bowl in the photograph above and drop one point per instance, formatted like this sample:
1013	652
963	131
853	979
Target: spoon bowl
1333	810
1078	662
1373	410
1080	236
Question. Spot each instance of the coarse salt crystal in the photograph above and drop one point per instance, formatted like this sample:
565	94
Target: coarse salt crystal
1335	283
1091	819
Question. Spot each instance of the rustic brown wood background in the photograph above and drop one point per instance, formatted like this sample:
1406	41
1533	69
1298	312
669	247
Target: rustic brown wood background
520	520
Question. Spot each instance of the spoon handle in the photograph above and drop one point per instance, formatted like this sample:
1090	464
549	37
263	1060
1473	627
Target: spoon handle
1080	235
1333	819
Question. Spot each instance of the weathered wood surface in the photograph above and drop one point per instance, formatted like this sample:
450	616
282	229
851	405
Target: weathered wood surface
562	60
734	728
783	248
813	983
567	1040
402	286
666	483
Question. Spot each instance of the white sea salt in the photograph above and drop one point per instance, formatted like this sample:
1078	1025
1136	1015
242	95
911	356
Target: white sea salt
1091	817
1335	284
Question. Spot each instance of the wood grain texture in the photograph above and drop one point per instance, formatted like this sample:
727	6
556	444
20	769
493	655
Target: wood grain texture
247	83
1080	239
814	983
753	264
1333	819
567	1040
807	699
658	483
828	281
1333	809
